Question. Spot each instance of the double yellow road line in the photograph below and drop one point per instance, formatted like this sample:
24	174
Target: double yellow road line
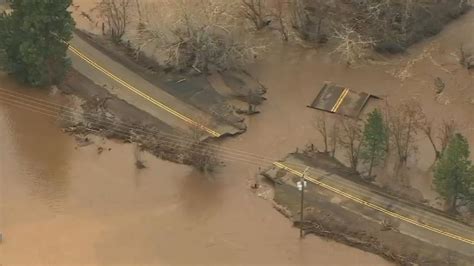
143	95
340	100
374	206
279	165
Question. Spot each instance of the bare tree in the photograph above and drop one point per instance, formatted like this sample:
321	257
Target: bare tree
254	11
299	17
203	156
404	122
395	24
307	18
329	130
427	128
334	137
279	14
447	131
352	46
406	10
386	113
139	10
199	35
378	15
321	126
199	152
351	140
115	14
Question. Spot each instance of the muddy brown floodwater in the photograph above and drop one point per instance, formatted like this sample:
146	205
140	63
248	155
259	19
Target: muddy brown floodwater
63	205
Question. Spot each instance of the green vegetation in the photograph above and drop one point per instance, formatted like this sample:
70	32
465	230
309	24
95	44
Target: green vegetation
454	173
3	58
33	36
374	140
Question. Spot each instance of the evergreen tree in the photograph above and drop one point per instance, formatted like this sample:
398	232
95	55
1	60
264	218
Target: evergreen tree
374	140
453	174
34	37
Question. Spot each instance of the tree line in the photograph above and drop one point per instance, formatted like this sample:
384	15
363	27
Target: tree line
215	34
222	34
392	131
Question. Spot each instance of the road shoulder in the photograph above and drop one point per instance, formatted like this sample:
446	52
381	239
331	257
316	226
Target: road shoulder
338	217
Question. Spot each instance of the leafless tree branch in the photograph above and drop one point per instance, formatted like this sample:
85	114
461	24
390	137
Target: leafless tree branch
115	14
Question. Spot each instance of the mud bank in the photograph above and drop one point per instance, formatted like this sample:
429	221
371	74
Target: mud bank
192	88
325	218
320	160
103	114
332	216
64	205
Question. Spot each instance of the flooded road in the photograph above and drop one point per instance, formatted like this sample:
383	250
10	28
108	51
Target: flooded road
62	204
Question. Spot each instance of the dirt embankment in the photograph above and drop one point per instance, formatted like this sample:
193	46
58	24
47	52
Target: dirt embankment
192	88
323	161
103	114
332	217
115	118
326	218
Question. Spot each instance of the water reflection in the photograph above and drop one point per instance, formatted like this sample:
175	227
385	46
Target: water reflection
201	195
43	151
113	214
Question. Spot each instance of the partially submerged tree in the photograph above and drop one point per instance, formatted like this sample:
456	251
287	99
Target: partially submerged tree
329	129
34	36
445	134
454	174
322	128
199	35
255	12
334	137
198	151
396	24
116	14
279	14
351	139
351	46
427	127
374	138
307	18
202	156
447	131
404	122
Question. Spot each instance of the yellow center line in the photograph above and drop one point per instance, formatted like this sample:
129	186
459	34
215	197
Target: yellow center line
340	100
374	206
143	95
280	165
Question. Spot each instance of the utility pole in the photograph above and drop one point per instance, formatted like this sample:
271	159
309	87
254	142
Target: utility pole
301	186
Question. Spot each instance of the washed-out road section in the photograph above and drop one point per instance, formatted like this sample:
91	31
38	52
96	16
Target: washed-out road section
128	86
415	221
